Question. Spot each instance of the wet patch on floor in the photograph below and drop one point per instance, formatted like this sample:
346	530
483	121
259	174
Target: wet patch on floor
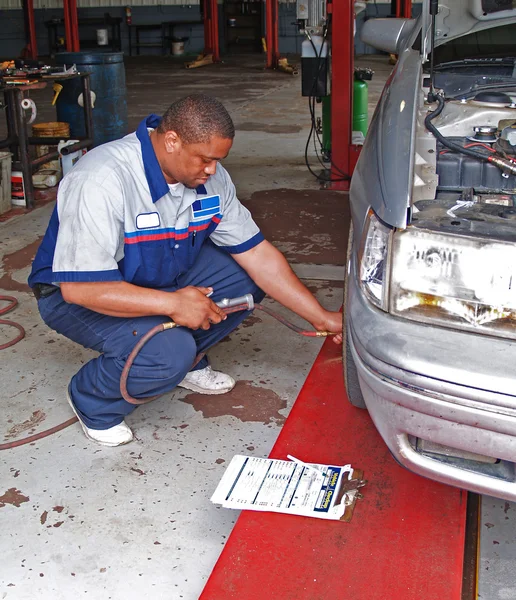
37	417
308	226
16	261
245	402
268	127
250	321
13	497
319	285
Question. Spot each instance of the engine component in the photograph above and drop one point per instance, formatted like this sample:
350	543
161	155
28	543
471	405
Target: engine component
457	171
484	133
493	97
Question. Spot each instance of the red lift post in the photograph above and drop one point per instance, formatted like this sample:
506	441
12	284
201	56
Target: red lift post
271	20
71	26
404	8
211	29
344	154
30	29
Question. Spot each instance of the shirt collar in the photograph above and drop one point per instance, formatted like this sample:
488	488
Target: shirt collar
158	186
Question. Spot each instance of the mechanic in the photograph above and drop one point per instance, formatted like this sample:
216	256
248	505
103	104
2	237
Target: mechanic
146	229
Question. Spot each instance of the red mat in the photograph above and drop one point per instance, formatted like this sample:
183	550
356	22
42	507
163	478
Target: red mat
406	537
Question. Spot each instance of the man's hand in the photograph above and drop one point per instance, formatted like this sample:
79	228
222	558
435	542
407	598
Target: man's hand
270	271
193	309
189	306
332	322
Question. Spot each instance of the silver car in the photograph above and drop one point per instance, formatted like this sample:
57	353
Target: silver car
430	299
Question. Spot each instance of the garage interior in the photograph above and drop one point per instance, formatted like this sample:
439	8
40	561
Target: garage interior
83	520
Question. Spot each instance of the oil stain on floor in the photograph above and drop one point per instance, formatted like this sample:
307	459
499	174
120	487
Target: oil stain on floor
245	401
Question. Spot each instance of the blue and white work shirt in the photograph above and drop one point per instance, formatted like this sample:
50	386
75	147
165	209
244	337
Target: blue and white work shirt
117	219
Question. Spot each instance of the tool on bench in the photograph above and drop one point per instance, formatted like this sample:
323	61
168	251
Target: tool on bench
228	305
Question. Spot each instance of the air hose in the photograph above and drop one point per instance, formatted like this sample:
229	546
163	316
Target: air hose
13	304
228	306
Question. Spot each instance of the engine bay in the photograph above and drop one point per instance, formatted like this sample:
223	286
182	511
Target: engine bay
465	164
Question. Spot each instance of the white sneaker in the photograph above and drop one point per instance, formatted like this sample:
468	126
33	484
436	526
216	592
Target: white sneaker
208	381
114	436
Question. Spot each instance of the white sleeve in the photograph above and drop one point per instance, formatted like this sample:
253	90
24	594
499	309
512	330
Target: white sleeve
91	228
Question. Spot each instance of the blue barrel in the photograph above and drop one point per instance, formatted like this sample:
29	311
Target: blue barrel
107	77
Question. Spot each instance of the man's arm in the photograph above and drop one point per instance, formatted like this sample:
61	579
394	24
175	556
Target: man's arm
188	307
269	269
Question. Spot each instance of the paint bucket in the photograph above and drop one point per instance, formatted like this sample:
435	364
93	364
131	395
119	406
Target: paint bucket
178	46
5	182
17	189
102	37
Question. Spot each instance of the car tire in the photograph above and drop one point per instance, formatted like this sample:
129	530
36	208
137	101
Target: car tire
351	383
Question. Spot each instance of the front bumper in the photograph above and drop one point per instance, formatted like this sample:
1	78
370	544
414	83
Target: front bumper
412	378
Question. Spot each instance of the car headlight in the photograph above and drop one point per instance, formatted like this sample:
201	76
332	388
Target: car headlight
456	281
373	261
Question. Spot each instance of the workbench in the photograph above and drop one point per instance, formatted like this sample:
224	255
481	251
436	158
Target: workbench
166	34
54	26
18	140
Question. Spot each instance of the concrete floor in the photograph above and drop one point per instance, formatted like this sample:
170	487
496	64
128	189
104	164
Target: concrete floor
78	519
118	523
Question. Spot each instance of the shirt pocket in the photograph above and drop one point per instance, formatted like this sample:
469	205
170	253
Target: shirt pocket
151	263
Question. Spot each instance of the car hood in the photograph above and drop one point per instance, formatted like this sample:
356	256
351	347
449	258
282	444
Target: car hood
461	17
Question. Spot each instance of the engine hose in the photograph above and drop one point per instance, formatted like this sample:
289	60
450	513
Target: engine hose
13	304
125	372
444	141
170	325
506	165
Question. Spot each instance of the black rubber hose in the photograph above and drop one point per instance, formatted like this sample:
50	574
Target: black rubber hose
444	141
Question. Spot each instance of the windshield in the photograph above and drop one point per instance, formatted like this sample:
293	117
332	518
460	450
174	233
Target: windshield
479	61
495	42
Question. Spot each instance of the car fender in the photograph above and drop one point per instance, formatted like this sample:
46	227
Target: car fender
384	172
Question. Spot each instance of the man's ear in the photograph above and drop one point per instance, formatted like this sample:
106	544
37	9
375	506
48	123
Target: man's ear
172	141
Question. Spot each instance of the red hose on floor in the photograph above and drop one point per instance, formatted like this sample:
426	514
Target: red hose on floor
125	373
3	311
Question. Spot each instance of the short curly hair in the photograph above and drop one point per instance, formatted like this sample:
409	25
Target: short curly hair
197	118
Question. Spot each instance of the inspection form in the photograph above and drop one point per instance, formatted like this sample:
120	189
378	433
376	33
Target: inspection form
283	486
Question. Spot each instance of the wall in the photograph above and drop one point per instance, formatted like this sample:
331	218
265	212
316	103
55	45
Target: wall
12	32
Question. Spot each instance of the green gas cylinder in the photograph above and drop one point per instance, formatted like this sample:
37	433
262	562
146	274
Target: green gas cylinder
360	106
360	118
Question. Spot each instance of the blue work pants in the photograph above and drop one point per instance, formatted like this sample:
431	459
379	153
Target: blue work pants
163	361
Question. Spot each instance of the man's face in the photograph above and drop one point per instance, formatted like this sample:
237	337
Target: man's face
192	164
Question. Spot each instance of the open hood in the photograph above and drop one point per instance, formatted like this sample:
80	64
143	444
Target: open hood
461	17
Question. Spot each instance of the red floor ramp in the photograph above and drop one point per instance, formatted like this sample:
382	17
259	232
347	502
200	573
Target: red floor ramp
404	542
